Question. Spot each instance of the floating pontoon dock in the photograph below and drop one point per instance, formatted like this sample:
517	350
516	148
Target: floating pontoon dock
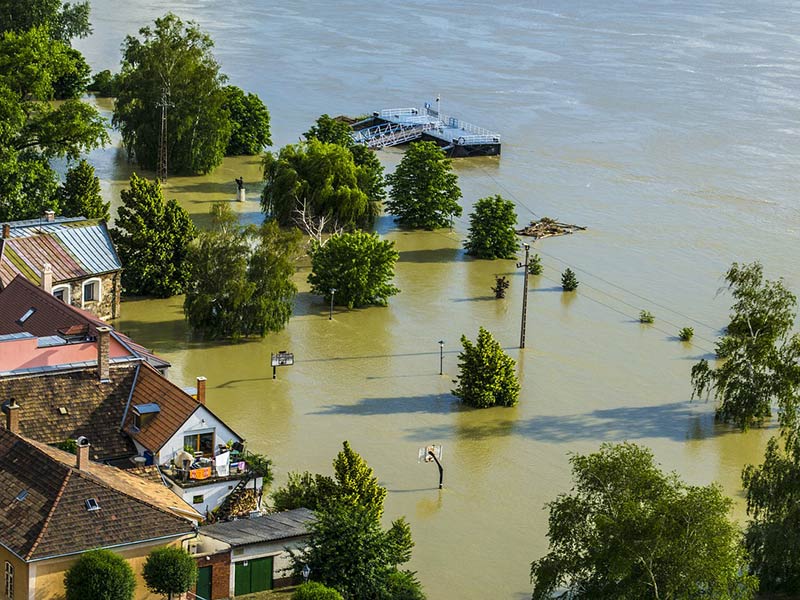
395	126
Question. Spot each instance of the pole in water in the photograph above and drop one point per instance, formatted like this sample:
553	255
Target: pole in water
524	297
441	357
438	464
274	372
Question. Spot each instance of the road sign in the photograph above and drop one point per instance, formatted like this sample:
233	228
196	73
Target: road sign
282	359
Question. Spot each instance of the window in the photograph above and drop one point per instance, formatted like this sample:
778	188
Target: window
9	581
26	316
200	442
90	291
92	504
62	292
198	499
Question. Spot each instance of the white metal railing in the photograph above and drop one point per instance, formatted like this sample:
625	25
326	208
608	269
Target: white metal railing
397	112
466	140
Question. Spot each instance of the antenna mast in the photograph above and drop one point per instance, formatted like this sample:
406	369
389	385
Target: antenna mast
161	172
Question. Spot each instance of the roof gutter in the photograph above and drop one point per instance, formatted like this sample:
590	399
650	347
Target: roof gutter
156	539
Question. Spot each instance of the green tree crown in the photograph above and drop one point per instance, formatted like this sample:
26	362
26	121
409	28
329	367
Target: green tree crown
100	575
359	265
170	570
250	132
63	21
569	281
80	194
240	279
152	238
317	184
629	531
175	58
315	591
425	190
761	355
331	131
491	229
487	375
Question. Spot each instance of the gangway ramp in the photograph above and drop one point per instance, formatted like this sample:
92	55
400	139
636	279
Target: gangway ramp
390	134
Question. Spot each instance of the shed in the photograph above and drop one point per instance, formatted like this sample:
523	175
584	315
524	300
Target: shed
249	555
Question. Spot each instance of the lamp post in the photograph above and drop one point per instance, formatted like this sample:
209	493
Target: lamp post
330	312
441	357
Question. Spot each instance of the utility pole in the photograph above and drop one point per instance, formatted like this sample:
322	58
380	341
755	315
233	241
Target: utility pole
524	297
161	172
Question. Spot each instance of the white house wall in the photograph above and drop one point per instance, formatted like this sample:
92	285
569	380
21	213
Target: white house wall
195	424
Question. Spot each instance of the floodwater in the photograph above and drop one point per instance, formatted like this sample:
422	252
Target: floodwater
670	129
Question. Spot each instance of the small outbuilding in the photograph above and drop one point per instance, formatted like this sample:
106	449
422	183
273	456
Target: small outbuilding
249	555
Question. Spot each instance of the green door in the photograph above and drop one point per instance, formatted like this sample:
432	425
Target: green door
252	576
204	583
241	577
261	574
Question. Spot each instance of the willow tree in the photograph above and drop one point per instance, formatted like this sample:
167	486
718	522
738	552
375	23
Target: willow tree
172	63
760	354
240	278
318	187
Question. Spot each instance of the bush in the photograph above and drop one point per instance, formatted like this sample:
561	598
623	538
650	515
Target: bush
686	334
100	575
170	570
104	84
535	265
646	317
315	591
569	282
486	374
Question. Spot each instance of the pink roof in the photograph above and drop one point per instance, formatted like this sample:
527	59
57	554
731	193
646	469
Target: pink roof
24	353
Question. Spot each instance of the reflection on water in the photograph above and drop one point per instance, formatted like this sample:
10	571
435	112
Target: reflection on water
668	129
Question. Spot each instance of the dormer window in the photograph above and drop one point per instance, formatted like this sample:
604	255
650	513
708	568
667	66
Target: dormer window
21	496
144	413
92	504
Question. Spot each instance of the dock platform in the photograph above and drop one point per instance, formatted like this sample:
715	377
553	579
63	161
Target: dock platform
395	126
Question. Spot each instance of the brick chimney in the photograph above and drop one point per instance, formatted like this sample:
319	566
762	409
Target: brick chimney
83	454
201	390
47	278
49	216
103	361
12	416
6	231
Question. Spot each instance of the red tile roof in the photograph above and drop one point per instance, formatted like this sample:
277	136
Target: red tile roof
43	511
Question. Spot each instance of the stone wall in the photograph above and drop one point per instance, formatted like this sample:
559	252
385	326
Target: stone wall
107	307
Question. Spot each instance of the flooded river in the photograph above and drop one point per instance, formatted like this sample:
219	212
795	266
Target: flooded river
670	129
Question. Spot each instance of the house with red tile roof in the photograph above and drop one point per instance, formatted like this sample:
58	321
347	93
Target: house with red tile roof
74	376
72	258
55	505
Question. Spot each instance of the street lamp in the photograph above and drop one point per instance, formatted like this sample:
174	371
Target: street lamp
330	313
441	357
306	572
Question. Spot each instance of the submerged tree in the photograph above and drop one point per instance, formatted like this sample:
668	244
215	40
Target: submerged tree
358	265
172	62
317	186
425	190
152	238
240	281
629	531
761	355
569	281
249	117
491	229
486	373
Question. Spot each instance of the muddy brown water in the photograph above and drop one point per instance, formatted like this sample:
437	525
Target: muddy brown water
669	129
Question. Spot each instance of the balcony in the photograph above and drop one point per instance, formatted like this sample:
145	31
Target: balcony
195	470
